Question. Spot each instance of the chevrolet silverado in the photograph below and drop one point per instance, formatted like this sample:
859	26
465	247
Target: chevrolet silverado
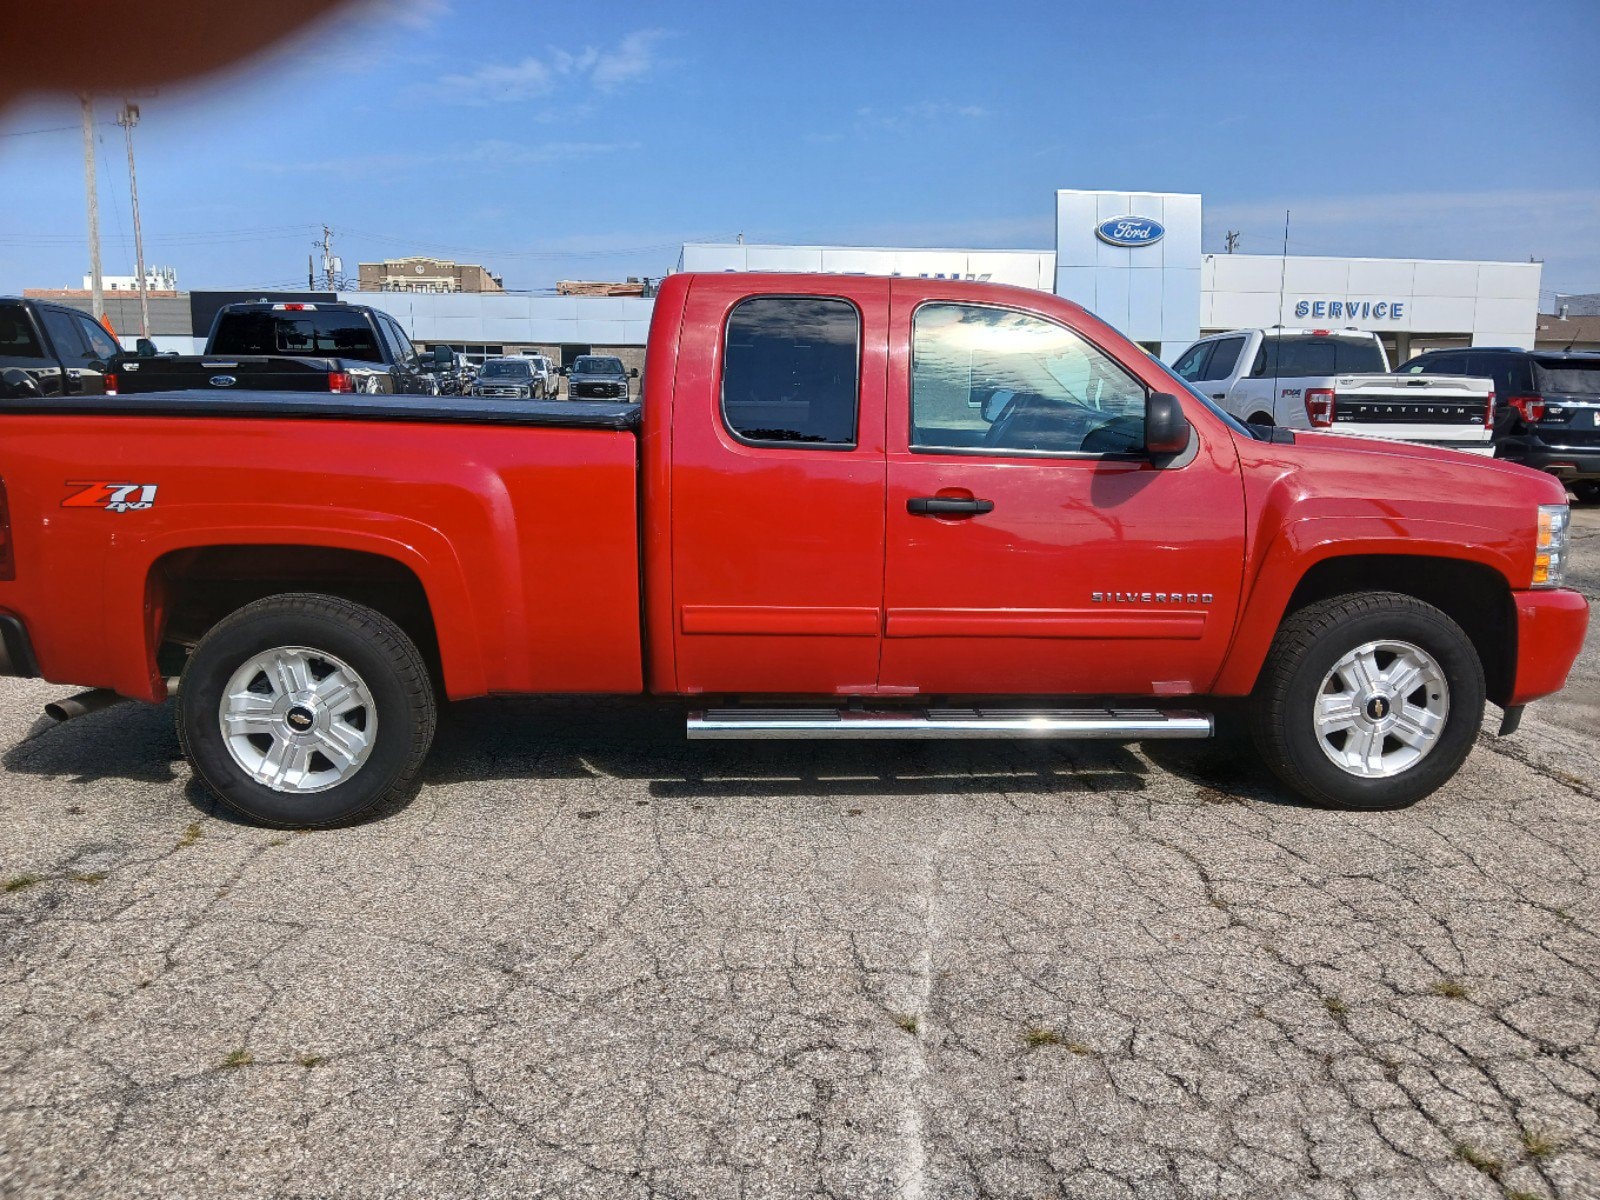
850	507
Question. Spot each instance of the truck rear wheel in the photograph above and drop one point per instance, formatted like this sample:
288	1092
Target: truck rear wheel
305	710
1368	701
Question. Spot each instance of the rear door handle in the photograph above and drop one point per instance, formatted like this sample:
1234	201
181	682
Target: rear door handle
1219	395
947	506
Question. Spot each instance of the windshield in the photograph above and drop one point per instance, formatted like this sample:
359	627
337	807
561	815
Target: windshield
1563	377
341	334
599	366
506	368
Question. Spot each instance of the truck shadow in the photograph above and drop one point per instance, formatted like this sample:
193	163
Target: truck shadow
553	740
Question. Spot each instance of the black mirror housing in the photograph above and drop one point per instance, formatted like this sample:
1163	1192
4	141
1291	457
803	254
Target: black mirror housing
633	372
1166	428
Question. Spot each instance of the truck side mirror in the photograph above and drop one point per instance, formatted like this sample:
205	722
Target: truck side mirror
633	372
1166	429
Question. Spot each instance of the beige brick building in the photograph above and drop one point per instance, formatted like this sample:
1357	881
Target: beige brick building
427	275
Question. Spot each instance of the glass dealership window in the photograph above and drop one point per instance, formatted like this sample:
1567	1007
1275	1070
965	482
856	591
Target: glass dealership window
790	374
990	380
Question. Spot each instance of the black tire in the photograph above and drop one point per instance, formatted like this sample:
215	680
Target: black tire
1260	418
1587	492
386	660
1308	645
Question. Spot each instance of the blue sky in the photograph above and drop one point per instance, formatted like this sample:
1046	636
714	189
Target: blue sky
568	140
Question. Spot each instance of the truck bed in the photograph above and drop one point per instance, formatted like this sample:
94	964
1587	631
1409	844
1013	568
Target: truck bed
514	522
450	410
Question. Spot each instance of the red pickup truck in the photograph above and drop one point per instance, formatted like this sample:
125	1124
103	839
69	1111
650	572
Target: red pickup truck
847	507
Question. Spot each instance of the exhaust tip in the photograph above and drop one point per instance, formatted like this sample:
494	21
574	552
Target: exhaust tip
81	705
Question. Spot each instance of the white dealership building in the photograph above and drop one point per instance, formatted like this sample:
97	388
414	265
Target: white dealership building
1134	258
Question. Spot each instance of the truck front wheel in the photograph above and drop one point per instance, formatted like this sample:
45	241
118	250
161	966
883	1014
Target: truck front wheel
1368	701
305	710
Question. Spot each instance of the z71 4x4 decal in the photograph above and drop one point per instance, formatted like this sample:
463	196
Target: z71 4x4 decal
113	497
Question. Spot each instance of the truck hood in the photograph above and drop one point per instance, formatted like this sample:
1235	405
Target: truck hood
1394	497
1334	451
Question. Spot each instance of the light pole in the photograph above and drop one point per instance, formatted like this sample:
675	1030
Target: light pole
128	118
96	282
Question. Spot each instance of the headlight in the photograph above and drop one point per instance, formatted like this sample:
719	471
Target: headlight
1550	553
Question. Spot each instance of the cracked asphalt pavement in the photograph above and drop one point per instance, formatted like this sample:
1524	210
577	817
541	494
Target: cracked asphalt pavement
592	960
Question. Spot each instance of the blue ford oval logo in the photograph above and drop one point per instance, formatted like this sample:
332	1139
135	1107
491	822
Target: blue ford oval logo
223	381
1130	231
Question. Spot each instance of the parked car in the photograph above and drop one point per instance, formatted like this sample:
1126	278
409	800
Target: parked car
52	350
446	367
1336	380
260	346
878	508
507	378
546	377
598	377
1549	411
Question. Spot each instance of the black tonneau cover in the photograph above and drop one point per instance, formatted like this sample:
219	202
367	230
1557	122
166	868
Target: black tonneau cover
447	410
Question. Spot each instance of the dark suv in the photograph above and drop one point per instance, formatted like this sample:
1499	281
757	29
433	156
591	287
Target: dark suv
1547	407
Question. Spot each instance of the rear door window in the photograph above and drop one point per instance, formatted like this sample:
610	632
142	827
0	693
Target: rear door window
62	328
1440	364
791	371
1224	357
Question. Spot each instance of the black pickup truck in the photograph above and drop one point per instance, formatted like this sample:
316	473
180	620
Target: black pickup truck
289	347
52	350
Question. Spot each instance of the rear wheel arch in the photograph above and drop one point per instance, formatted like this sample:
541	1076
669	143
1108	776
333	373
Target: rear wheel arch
191	590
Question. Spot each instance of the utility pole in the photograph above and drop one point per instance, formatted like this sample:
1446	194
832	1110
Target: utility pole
1232	240
128	118
331	264
96	282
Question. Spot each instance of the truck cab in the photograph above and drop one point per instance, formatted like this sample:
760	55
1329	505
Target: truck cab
53	350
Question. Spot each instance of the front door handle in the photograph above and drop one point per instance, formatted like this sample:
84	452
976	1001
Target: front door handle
947	506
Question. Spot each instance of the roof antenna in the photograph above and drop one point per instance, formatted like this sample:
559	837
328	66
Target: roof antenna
1277	351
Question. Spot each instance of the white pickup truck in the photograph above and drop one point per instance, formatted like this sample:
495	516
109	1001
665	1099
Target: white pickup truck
1338	381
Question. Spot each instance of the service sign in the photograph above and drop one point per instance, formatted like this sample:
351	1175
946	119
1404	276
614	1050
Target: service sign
1130	231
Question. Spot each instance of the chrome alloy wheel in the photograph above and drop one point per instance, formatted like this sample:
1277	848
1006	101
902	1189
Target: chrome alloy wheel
1381	709
298	720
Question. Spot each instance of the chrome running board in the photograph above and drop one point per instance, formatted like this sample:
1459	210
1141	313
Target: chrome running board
1130	724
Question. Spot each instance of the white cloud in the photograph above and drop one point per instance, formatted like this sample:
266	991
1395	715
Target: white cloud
926	112
633	58
602	70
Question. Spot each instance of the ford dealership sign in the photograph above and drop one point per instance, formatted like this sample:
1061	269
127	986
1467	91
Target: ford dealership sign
1130	231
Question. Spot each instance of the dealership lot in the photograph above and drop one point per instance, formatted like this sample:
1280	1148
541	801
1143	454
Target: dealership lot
584	963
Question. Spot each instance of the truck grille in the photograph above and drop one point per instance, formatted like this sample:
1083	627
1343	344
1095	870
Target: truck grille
1411	412
500	391
599	391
